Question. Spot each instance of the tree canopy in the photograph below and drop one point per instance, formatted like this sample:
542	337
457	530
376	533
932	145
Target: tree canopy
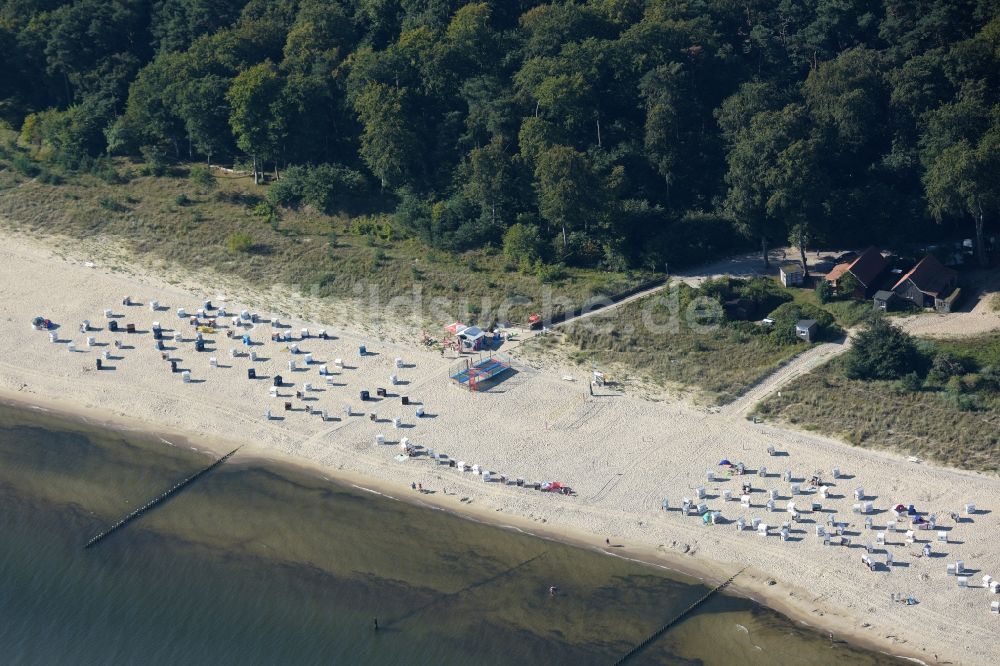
622	132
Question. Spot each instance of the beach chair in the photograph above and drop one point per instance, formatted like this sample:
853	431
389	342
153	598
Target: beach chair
186	376
796	488
836	472
960	566
950	569
859	494
963	581
880	538
700	492
727	495
770	505
741	524
995	606
942	536
770	451
970	509
786	476
762	472
380	439
762	529
745	500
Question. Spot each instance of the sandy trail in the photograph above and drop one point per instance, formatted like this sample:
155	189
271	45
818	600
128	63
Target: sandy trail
621	453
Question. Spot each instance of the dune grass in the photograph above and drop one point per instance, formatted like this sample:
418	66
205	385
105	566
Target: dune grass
227	228
721	359
930	423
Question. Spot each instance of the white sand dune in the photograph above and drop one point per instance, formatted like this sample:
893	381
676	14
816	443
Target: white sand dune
620	453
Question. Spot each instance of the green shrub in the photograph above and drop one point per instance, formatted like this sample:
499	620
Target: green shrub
155	159
522	244
882	351
107	203
239	242
182	200
824	291
201	177
787	315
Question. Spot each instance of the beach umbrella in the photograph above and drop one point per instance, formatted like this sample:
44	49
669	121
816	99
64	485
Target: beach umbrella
725	461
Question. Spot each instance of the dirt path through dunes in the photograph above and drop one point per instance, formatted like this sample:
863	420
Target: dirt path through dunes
804	363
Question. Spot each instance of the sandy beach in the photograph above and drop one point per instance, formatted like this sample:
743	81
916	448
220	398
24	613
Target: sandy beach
622	454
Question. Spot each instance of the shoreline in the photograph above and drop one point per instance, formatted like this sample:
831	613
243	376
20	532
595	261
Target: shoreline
621	453
704	572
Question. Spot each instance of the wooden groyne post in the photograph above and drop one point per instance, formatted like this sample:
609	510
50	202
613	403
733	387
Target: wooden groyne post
158	499
684	613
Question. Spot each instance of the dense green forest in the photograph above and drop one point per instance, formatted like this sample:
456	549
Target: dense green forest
607	133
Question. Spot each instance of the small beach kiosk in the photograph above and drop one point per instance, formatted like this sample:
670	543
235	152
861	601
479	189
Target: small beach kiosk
469	338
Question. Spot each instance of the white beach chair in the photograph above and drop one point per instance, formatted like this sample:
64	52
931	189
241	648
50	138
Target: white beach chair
745	500
942	536
700	492
910	536
880	538
960	566
741	524
339	363
396	422
291	366
380	438
859	494
307	359
950	569
970	509
762	472
253	356
772	494
754	523
836	472
762	529
399	362
770	505
213	361
995	606
91	341
154	306
786	476
963	581
796	488
186	376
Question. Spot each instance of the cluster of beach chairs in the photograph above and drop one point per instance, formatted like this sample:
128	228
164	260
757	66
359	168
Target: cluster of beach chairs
813	501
